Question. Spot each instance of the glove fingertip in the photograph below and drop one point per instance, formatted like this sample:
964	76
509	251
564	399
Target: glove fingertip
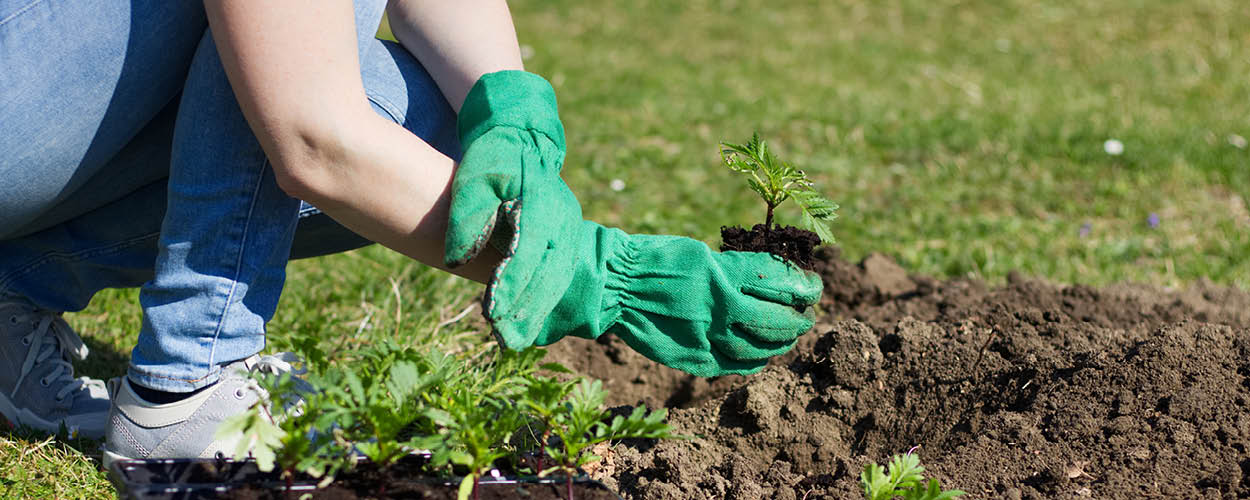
741	368
801	296
807	288
815	286
462	246
507	335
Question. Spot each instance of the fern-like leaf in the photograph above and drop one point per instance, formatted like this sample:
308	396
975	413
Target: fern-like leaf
903	478
876	485
905	471
777	181
817	212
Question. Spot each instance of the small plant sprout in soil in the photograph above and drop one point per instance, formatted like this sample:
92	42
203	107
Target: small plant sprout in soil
468	419
573	420
777	181
902	479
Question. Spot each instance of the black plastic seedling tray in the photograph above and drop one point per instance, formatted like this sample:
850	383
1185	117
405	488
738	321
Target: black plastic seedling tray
195	479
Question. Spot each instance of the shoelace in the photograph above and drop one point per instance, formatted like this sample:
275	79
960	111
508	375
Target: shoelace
278	364
53	341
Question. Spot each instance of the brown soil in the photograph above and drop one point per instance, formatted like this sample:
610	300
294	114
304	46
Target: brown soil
1028	390
789	242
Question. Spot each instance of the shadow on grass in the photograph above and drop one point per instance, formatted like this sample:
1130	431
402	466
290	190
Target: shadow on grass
32	439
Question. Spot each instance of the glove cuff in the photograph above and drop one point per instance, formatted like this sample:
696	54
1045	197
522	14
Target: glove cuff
593	301
619	263
510	98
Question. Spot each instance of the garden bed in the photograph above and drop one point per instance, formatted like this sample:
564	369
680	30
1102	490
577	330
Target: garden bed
1028	390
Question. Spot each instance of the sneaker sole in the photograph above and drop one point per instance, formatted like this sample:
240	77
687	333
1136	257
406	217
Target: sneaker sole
107	458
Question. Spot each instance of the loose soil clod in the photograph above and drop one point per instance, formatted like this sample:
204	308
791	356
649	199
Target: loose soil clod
1125	391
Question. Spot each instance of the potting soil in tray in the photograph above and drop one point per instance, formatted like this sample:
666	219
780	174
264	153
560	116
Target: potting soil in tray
187	479
1028	390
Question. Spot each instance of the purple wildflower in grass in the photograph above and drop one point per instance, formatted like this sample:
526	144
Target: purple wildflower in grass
1086	228
1153	220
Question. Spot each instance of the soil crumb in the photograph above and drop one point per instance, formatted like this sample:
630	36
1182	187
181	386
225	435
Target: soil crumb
788	242
1029	390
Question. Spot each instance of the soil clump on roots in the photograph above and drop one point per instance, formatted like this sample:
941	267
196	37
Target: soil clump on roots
788	242
1029	390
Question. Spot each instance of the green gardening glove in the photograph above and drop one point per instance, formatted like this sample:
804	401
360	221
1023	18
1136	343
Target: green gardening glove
677	302
507	192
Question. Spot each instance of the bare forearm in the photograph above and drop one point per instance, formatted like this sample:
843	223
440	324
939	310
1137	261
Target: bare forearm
457	42
393	188
367	172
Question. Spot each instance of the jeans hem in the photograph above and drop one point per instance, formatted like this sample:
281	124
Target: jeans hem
172	384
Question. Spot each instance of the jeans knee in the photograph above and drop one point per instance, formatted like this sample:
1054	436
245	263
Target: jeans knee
368	18
400	89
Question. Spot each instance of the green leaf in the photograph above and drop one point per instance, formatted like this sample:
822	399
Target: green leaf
466	488
256	435
816	205
588	458
905	470
460	458
439	417
554	368
817	212
234	425
821	229
933	491
404	380
903	478
876	484
760	187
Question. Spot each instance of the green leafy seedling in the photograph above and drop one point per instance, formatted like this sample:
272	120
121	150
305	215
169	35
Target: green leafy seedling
394	400
777	181
903	479
574	414
478	428
361	409
478	417
278	431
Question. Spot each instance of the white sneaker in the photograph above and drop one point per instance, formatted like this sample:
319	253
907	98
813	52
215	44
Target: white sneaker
37	384
139	429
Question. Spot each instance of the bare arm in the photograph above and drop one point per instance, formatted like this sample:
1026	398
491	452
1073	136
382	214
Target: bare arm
457	42
365	171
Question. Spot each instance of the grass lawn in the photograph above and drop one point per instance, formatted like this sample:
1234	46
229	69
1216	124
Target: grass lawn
961	137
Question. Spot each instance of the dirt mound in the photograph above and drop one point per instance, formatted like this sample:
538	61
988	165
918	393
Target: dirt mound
1029	390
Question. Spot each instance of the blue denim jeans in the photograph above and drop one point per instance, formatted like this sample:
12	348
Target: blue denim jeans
125	161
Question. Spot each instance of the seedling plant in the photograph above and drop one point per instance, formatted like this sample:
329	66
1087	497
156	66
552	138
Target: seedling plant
777	181
468	417
572	413
903	479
